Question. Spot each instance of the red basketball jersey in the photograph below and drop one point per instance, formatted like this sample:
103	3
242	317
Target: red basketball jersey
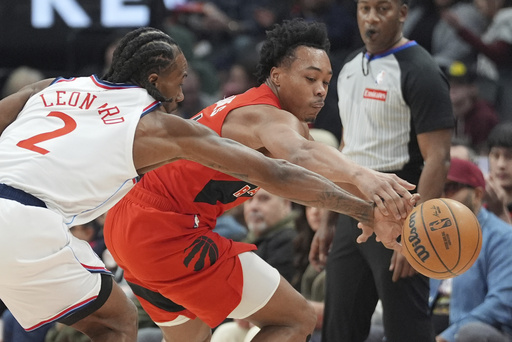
196	189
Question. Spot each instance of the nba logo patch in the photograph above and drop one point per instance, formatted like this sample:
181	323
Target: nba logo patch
380	77
196	221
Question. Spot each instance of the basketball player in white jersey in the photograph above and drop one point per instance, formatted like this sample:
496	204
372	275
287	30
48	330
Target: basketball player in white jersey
71	148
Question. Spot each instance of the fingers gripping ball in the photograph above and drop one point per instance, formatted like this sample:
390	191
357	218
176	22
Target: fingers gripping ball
441	238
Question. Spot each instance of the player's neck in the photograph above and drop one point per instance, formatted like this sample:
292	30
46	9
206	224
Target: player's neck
273	87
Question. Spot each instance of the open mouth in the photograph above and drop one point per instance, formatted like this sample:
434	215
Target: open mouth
370	33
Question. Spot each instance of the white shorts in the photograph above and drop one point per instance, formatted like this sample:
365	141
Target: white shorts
260	283
45	272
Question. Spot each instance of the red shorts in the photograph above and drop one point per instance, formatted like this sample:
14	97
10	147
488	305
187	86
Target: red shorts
170	256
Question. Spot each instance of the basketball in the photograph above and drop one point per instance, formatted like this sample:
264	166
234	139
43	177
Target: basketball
441	238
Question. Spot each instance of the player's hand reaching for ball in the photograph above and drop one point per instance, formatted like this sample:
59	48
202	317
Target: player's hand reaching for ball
386	228
389	193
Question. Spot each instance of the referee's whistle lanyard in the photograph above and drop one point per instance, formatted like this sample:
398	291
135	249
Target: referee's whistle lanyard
368	57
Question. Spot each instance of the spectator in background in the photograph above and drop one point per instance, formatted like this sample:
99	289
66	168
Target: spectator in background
189	42
339	19
474	116
460	149
225	28
196	98
421	21
447	46
109	43
424	25
20	77
231	225
479	301
498	191
495	48
241	77
271	224
309	281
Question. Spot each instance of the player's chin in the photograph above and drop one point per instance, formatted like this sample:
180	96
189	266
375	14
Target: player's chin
311	118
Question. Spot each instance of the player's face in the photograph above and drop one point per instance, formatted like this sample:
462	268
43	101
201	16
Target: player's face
303	83
170	82
380	23
500	166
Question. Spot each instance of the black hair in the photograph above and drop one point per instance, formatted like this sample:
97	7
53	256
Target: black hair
500	136
283	39
140	53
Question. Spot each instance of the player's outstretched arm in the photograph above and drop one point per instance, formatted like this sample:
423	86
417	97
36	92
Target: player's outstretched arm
285	137
12	105
185	139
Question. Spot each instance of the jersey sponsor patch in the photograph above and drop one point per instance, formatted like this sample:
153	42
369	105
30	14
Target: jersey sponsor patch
375	94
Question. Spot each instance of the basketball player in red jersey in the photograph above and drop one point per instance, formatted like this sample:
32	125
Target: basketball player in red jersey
187	277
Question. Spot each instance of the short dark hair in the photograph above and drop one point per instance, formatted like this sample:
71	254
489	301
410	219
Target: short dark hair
500	136
140	53
283	39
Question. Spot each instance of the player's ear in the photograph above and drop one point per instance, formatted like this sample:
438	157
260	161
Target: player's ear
274	75
152	78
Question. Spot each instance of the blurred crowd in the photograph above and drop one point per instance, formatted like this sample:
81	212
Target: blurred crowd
470	40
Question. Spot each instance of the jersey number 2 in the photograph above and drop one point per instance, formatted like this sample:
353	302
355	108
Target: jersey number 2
30	143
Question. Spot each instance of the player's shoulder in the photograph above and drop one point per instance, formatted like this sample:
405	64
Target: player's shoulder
255	112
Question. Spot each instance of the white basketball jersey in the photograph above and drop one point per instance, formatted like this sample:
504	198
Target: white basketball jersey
72	145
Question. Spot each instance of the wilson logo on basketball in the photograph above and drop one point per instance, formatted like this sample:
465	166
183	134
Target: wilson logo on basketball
375	94
415	240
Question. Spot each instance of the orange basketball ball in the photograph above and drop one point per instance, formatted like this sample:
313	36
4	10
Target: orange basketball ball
441	238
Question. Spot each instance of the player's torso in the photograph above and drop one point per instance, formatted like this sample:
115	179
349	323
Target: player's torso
71	146
196	189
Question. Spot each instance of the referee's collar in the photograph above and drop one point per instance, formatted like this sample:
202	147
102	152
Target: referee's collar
370	56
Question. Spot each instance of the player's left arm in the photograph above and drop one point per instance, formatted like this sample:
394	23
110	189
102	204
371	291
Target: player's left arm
285	137
12	105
